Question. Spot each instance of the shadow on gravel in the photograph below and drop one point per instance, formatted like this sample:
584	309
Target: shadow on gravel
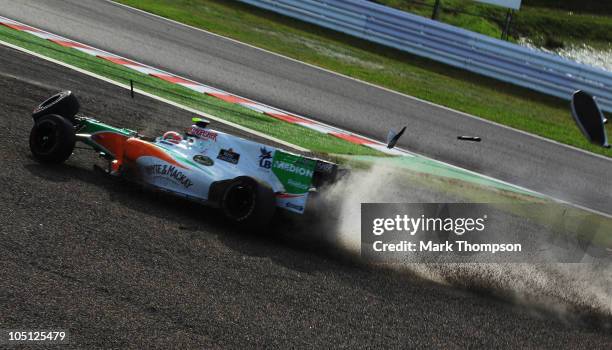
57	173
285	231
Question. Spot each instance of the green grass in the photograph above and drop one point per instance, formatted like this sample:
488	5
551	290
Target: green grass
544	22
503	103
312	140
456	12
596	7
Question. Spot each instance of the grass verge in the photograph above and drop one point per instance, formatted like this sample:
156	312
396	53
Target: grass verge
314	141
544	22
487	98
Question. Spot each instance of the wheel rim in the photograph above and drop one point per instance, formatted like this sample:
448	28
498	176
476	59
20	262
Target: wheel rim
239	201
45	138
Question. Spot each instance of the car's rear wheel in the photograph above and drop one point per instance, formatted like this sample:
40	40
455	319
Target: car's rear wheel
63	103
52	139
248	201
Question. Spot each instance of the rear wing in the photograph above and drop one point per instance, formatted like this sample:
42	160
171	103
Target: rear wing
299	175
326	173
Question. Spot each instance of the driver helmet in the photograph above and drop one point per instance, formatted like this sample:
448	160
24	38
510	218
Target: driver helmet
172	136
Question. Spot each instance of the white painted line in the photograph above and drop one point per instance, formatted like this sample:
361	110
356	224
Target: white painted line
384	149
43	35
317	127
10	21
200	88
91	52
258	107
144	93
144	70
367	83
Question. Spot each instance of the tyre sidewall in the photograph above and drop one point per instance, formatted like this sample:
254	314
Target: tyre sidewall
64	104
263	202
63	135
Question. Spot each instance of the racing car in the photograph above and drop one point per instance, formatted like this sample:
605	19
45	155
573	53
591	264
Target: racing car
247	180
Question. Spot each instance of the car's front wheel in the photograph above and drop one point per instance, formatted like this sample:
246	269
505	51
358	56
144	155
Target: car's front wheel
52	139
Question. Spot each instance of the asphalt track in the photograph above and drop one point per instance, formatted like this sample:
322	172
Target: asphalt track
512	156
124	268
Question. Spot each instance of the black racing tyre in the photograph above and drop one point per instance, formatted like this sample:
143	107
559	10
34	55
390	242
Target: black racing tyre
248	202
63	103
52	139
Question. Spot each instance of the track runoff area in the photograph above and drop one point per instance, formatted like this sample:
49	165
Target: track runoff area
459	224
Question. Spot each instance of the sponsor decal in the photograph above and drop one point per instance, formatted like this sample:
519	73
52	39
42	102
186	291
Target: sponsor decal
204	160
293	168
228	155
294	206
297	184
324	167
265	158
294	172
288	195
169	172
202	133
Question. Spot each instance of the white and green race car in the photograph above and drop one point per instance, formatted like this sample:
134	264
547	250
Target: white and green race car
246	179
